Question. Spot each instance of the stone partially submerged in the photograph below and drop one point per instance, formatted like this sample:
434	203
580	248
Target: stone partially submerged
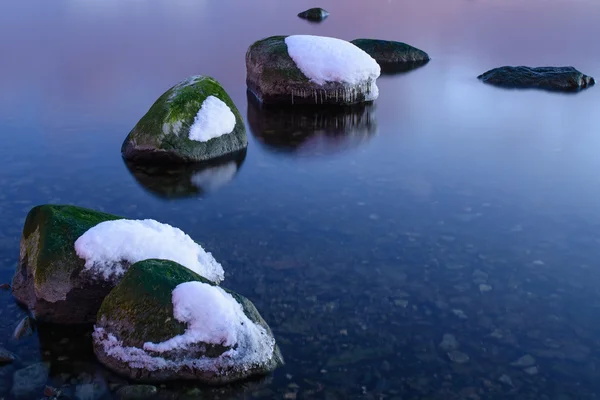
193	121
165	322
71	257
393	56
304	69
314	14
566	79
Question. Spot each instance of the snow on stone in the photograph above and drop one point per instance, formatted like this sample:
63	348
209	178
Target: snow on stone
214	119
213	178
108	245
212	316
325	59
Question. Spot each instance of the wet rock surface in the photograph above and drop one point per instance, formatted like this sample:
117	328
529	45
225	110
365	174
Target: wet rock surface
393	56
314	14
566	79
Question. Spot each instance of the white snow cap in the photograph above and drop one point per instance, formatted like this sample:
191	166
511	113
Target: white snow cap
214	119
212	316
107	245
325	59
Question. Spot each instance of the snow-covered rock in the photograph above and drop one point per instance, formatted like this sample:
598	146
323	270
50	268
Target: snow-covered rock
165	322
193	121
305	69
71	257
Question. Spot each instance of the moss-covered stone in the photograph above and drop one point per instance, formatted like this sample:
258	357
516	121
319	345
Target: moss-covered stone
162	135
566	79
274	78
140	309
314	14
392	56
48	277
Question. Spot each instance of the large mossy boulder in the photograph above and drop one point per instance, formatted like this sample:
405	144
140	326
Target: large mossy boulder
71	257
304	69
315	14
193	121
49	279
393	56
146	333
566	79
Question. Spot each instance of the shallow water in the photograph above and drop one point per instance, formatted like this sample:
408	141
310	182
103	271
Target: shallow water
448	207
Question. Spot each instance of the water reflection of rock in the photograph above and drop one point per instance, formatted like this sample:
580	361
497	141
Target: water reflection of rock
310	130
170	181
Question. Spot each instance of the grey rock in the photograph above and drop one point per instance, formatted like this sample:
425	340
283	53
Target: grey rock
479	277
484	288
6	357
136	392
392	56
23	328
525	361
549	78
532	370
30	382
449	342
460	314
506	380
314	14
458	357
91	391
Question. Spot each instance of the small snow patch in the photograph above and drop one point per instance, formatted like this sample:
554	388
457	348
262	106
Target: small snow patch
109	245
212	316
214	119
325	59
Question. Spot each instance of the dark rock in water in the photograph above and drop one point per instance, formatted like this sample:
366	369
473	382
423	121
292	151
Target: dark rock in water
23	328
275	78
314	14
6	357
29	383
310	131
136	392
566	79
180	126
393	56
189	180
49	278
5	286
138	336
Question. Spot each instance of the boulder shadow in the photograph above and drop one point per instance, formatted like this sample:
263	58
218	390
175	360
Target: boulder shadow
310	131
189	180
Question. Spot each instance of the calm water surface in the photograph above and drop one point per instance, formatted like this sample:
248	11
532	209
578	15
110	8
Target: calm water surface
447	208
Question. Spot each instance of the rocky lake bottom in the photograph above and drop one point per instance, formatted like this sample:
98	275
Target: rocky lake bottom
441	244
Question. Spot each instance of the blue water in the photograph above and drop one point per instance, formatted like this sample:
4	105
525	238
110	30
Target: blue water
361	247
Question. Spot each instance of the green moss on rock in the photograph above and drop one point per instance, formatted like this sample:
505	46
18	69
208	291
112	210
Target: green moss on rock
140	309
163	132
48	269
